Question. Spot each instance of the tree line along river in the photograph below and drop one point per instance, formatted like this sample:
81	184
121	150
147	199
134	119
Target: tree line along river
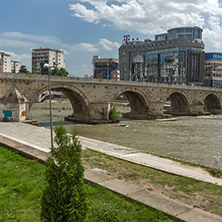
189	138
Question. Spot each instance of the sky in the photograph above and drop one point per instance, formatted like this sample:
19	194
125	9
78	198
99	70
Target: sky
83	28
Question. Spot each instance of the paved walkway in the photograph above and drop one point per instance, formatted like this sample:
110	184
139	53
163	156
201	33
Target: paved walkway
35	141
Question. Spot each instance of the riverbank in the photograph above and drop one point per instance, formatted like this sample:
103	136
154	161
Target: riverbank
192	139
38	137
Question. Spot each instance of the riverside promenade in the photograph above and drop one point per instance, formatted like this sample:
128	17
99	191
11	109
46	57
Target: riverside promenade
35	142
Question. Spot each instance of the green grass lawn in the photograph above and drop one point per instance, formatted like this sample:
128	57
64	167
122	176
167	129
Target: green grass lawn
22	182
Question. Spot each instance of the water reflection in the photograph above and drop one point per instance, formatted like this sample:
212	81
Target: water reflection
194	139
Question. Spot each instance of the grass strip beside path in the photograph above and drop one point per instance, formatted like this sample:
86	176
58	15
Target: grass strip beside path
203	195
22	182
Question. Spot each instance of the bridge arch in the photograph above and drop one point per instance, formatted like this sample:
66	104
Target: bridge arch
179	103
77	98
138	103
212	103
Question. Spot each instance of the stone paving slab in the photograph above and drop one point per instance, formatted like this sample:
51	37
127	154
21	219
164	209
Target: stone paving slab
161	202
95	177
24	149
121	187
198	215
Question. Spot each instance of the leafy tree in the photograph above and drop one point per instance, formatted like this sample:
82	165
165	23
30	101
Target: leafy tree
59	72
113	113
23	69
39	72
64	197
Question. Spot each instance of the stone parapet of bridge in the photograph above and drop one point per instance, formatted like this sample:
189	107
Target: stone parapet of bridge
92	99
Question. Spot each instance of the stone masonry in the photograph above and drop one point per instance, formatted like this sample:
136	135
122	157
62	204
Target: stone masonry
92	98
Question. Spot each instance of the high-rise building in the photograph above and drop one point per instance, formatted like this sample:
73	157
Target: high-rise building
15	66
213	70
5	62
173	57
105	68
53	57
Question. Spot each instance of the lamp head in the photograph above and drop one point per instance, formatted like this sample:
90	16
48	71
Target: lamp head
46	65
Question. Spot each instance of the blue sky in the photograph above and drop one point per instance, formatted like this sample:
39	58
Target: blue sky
83	28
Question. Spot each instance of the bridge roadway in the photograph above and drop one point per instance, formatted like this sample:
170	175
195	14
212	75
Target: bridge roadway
92	98
35	142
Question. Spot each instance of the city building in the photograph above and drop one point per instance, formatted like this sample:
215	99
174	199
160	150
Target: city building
173	57
53	57
213	70
15	66
5	62
105	68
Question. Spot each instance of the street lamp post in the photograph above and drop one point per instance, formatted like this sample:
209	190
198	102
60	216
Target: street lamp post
50	102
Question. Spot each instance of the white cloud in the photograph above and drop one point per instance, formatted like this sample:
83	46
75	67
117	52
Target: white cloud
17	39
84	47
15	43
108	45
21	37
36	38
153	16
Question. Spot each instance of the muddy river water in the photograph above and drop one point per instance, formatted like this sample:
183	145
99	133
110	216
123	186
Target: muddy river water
193	139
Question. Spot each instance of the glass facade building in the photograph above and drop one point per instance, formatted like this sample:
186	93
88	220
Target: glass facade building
213	70
173	57
105	68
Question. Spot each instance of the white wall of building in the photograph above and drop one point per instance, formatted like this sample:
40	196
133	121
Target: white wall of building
45	55
15	65
5	62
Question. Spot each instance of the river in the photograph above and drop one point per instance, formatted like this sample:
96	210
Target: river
193	139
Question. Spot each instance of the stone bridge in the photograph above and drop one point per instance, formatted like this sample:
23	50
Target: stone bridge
92	98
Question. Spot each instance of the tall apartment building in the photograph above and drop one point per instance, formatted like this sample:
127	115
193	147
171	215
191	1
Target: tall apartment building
105	68
52	57
173	57
15	66
213	70
5	62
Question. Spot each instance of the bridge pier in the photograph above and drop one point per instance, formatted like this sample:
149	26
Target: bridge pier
154	111
98	113
215	110
196	109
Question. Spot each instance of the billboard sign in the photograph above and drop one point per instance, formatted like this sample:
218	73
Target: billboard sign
217	56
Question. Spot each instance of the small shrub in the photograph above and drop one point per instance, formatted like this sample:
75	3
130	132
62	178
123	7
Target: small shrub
215	172
22	99
114	114
64	197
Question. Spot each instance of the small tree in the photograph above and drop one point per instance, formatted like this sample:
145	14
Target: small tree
114	114
59	72
64	197
23	69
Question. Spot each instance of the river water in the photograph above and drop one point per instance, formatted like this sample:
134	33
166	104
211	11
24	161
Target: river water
193	139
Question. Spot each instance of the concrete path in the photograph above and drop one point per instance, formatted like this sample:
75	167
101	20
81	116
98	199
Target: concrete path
35	141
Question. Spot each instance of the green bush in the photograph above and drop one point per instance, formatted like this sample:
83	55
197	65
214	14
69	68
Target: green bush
64	197
113	113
